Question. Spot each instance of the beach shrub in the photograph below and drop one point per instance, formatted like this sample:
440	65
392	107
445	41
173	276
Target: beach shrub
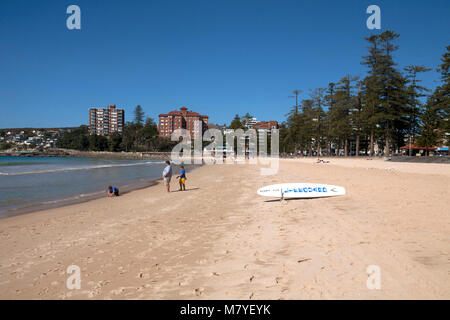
114	142
98	143
76	139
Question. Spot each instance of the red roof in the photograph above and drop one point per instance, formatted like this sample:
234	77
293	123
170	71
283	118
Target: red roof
266	124
184	112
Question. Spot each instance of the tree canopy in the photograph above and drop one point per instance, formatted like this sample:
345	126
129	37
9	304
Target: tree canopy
385	108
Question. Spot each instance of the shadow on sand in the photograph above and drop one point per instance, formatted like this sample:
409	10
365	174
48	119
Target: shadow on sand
187	189
292	199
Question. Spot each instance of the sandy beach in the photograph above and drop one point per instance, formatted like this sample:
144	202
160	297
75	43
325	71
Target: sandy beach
220	240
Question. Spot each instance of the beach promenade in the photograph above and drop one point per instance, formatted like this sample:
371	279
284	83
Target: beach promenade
220	240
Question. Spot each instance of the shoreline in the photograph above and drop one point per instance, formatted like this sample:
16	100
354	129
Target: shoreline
138	185
73	200
219	240
82	198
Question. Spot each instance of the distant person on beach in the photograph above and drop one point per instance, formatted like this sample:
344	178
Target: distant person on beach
182	178
167	175
113	191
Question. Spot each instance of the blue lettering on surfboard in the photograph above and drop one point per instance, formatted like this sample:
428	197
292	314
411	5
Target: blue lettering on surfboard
306	189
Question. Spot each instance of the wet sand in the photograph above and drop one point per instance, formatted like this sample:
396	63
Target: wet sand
219	240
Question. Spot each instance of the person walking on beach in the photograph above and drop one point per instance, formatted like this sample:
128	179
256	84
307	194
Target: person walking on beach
182	177
167	175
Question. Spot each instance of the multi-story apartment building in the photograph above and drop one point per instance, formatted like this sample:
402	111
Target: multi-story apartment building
104	121
182	119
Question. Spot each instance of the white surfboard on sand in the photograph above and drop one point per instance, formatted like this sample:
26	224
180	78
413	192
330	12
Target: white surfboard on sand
301	190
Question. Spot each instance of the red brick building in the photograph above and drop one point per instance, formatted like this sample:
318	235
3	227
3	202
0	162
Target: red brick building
182	119
106	120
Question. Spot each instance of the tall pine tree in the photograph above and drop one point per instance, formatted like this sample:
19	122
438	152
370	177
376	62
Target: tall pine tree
414	104
371	113
139	115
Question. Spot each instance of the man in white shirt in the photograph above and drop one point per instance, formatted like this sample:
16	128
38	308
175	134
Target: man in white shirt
167	175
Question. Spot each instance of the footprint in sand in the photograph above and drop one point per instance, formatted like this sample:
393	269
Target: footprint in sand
143	275
279	279
122	290
260	262
199	291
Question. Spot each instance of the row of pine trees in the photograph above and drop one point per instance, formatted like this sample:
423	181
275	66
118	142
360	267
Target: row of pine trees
389	108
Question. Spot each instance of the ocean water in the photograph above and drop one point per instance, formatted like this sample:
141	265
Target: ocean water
29	184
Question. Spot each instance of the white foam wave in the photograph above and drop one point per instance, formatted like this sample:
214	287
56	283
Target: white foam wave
80	168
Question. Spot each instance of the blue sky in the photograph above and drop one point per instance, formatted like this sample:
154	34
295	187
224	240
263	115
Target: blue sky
216	57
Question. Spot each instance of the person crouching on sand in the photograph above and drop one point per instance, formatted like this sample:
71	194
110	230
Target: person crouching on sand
167	175
113	191
182	178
